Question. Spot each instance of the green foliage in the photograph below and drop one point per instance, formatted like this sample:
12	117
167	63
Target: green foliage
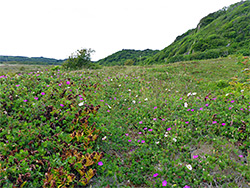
79	60
47	131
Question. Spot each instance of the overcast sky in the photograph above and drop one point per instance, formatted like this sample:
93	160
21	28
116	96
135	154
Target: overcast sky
56	28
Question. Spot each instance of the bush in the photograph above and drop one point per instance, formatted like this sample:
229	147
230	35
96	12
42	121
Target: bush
80	59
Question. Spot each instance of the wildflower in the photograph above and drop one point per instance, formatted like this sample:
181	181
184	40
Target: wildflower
185	104
232	101
166	134
155	107
240	155
150	129
187	122
133	101
143	141
68	82
108	111
186	186
139	132
80	104
201	109
18	85
168	129
42	93
25	100
140	122
157	142
189	167
174	139
129	140
154	119
100	163
146	99
223	124
126	134
164	183
104	138
145	128
155	175
36	98
138	141
206	104
61	105
214	122
195	156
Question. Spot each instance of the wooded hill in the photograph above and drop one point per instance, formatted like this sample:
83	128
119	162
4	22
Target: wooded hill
127	57
30	60
221	33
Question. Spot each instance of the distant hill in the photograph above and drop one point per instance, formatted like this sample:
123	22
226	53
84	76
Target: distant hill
221	33
30	60
127	57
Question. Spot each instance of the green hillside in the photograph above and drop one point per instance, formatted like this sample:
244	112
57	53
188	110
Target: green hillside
127	57
221	33
30	60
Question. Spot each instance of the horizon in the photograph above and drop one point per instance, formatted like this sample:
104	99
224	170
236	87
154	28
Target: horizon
39	29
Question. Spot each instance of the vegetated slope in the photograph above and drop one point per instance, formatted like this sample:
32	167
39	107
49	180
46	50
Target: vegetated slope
221	33
30	60
127	57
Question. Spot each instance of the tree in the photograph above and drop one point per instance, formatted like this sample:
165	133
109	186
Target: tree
78	60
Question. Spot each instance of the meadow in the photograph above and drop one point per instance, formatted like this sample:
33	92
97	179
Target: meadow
177	125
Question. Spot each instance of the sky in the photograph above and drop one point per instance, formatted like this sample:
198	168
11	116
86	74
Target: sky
57	28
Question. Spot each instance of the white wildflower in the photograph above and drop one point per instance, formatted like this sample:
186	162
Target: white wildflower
146	99
189	167
242	90
125	99
129	89
157	142
185	104
133	101
111	79
166	134
174	139
194	93
109	106
104	138
227	94
189	94
120	85
136	96
80	104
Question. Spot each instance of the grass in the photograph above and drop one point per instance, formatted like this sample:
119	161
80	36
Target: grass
178	125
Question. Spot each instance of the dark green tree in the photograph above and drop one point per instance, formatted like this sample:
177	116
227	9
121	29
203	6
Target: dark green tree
78	60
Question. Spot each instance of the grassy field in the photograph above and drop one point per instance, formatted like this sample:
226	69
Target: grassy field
178	125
